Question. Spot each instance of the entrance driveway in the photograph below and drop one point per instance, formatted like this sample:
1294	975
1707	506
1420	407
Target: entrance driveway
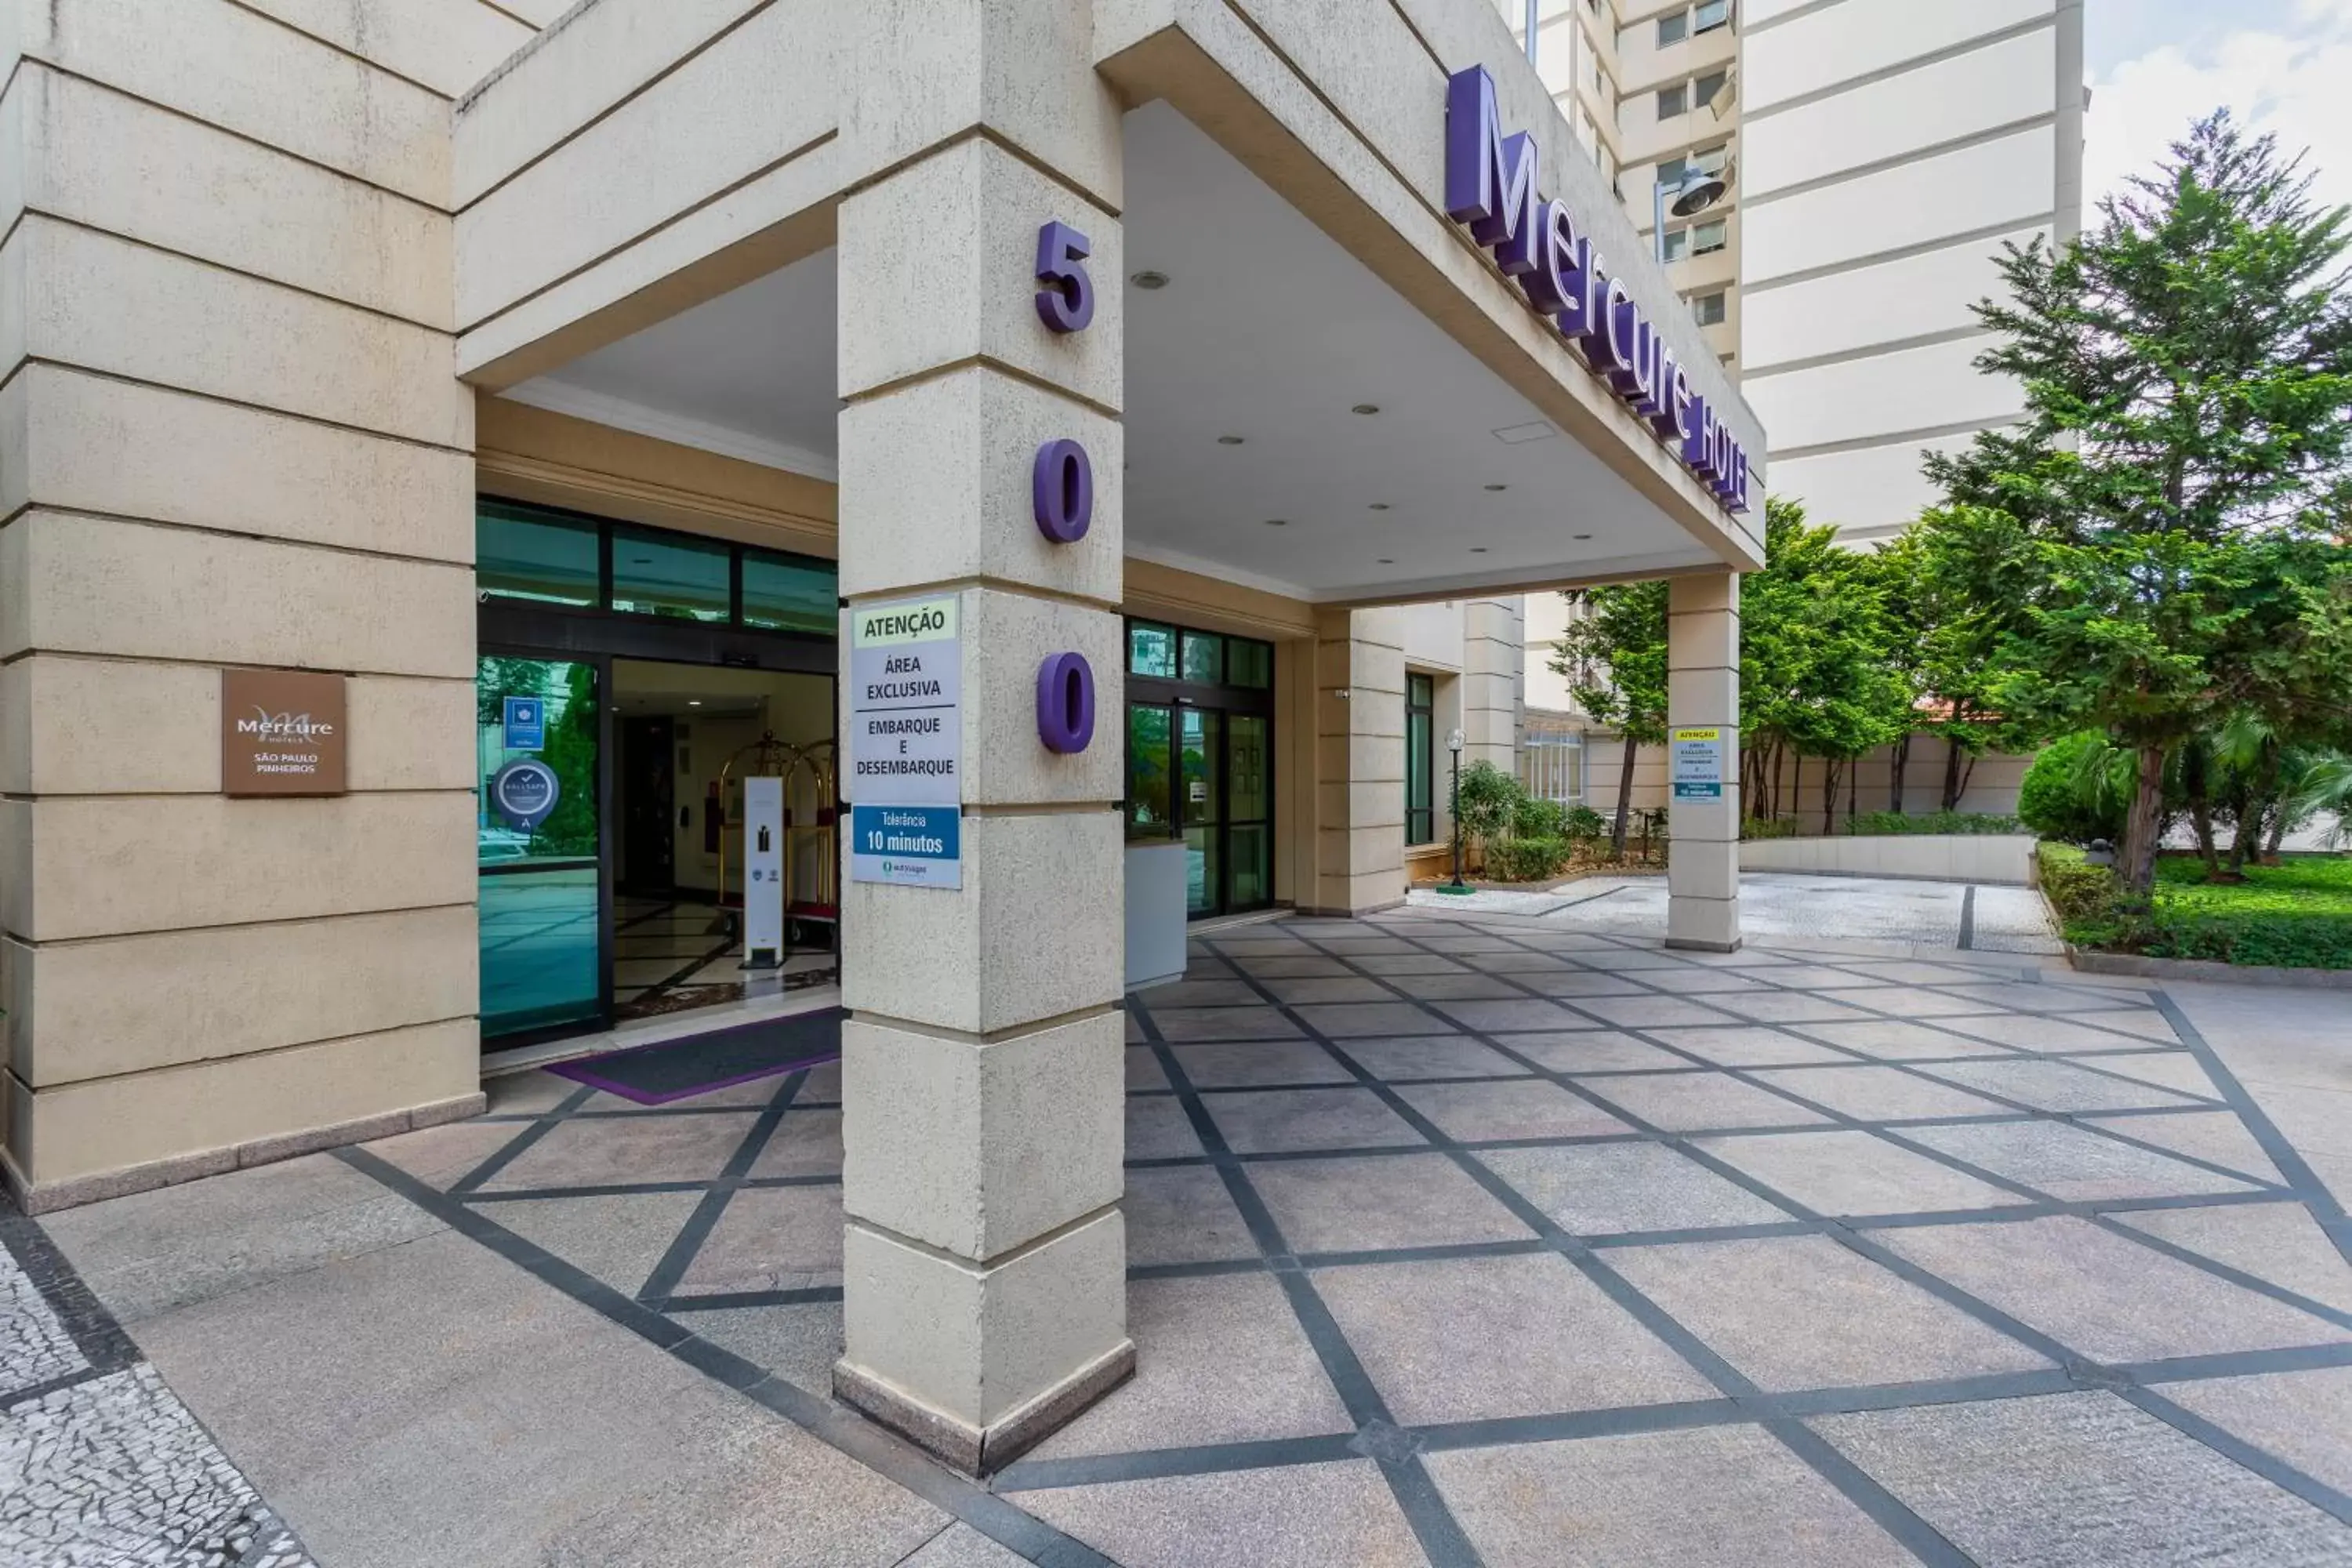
1453	1239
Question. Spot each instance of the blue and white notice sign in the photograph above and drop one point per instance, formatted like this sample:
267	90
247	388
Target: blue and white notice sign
920	845
526	725
905	777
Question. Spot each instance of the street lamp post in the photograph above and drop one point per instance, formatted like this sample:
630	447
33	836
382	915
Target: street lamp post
1454	744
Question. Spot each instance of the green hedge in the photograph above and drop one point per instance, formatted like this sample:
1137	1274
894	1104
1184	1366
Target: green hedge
1524	859
2295	915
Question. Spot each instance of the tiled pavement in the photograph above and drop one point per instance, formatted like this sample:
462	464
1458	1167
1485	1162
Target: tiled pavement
100	1464
1484	1241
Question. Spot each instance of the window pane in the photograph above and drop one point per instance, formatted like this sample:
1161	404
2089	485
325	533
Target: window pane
1196	765
1708	238
1706	88
1672	28
566	692
1712	160
668	574
1420	691
1419	769
1677	244
1150	650
1249	663
1200	870
1252	868
1671	101
786	594
1205	657
1150	734
1671	172
540	960
1709	308
1245	764
522	553
540	963
1712	14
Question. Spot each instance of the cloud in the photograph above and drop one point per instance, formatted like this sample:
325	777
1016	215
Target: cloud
2297	83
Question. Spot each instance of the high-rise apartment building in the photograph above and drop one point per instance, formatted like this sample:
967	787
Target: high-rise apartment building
1874	156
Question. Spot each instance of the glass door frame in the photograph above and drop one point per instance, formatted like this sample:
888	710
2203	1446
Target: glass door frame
1157	691
603	1019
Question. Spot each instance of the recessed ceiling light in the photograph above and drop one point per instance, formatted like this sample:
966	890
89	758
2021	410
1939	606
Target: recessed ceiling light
1477	550
1387	561
1277	523
1149	280
1229	440
694	702
1579	536
1365	408
1516	435
1498	486
1380	506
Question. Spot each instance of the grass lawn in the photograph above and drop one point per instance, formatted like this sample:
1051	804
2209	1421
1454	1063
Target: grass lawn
2296	914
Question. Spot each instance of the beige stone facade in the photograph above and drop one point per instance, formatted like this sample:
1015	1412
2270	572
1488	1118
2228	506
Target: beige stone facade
288	288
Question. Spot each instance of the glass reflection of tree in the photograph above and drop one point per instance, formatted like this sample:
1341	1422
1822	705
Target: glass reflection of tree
570	751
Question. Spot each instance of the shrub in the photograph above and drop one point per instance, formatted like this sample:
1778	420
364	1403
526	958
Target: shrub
1944	822
2078	789
1526	859
2077	890
1769	828
1490	801
1533	817
1583	825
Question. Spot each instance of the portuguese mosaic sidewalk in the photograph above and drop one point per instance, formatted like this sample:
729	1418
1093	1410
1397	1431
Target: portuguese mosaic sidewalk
100	1464
1453	1239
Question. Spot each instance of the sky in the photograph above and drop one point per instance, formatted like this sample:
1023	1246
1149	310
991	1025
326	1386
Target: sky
2154	65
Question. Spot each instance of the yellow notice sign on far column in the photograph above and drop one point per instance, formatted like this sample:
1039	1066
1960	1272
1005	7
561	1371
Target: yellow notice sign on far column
1698	764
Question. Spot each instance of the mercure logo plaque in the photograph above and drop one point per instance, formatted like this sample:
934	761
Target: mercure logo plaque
283	732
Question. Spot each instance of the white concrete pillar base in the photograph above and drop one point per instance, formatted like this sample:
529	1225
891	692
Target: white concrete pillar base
1695	944
977	1450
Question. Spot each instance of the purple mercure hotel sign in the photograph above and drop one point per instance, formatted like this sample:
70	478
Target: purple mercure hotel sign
1490	187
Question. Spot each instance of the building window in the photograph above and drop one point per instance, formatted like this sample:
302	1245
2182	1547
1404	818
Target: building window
1671	172
1709	308
1673	28
1677	244
1711	14
1420	759
1151	649
788	593
545	556
1711	159
676	576
1703	90
1709	237
1673	100
1551	767
522	553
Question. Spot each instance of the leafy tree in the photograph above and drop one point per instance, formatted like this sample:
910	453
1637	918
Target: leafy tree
1614	655
1817	672
1955	584
2186	367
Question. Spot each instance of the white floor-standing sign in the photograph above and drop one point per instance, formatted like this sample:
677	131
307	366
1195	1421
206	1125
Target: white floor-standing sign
763	872
906	743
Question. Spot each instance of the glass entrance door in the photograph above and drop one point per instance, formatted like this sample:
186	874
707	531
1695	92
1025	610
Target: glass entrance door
543	926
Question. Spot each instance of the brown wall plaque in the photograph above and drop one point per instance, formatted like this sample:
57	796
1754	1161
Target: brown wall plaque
282	732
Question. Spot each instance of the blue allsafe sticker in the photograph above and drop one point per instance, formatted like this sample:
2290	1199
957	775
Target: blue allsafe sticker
914	845
526	723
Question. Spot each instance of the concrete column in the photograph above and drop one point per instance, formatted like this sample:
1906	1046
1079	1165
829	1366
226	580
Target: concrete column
1494	650
1359	761
985	1256
1703	693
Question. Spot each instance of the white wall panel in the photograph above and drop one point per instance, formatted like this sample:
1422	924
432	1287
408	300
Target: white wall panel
1913	296
1914	389
1946	101
1867	488
2011	181
1852	39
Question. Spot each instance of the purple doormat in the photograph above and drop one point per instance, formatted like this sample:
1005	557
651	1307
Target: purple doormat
682	1069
